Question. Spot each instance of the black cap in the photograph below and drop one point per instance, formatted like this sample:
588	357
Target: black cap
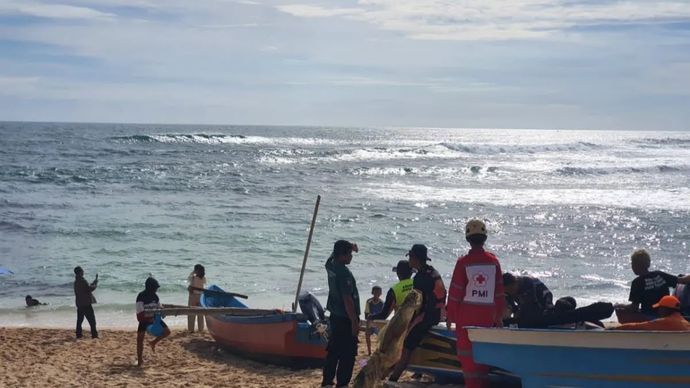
403	265
419	251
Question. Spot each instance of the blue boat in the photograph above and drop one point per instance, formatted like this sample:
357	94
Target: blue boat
586	358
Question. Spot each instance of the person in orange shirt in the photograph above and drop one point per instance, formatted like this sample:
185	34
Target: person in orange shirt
475	298
671	319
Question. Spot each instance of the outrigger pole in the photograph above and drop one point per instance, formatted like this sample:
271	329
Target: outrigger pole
306	252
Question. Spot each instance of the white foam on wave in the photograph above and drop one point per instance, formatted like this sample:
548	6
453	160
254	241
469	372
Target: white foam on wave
216	139
673	199
599	279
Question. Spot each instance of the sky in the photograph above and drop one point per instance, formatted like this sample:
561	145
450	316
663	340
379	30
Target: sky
580	64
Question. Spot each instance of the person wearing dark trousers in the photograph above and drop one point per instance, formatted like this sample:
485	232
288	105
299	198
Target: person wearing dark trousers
84	299
343	304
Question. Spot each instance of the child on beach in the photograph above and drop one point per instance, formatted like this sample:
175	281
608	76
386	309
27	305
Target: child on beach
373	306
649	286
148	299
197	281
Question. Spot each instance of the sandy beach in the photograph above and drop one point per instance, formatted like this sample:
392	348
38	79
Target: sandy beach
52	357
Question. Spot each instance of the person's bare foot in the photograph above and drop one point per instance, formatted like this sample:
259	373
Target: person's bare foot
140	363
152	344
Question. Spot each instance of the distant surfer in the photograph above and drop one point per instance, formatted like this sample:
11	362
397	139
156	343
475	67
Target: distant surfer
31	302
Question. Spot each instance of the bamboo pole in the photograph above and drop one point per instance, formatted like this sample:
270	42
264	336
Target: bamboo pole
195	310
306	252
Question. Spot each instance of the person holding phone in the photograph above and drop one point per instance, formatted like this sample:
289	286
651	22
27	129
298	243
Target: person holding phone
84	299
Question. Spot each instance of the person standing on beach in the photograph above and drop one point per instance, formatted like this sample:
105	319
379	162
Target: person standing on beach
372	306
430	284
83	296
148	299
476	298
343	304
197	281
397	293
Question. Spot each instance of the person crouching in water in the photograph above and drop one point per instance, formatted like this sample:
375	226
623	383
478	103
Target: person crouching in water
476	298
146	300
197	281
427	281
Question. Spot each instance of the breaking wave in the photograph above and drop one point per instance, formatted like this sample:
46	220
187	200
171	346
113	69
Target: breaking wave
212	139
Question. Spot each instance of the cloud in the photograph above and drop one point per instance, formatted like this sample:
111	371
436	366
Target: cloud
496	20
521	63
52	11
313	11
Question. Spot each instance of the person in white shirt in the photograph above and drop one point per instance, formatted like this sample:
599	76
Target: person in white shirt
197	281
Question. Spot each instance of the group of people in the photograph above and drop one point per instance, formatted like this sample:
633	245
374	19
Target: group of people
147	299
480	294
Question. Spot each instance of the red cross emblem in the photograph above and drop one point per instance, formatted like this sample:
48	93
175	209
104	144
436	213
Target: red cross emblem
480	280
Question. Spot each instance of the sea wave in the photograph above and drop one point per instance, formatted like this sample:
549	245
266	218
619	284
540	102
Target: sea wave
492	149
422	171
9	226
682	142
211	139
583	171
633	198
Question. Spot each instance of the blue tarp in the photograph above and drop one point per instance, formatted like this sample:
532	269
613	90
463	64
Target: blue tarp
5	271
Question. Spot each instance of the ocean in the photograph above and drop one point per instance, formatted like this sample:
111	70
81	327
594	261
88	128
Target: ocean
126	201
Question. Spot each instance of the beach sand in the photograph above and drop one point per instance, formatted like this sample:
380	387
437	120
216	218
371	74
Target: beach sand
52	357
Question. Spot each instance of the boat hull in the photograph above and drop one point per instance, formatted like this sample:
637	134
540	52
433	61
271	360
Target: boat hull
282	338
574	358
286	342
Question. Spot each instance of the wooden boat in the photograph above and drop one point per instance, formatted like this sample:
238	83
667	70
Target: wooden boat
586	358
437	356
283	338
625	315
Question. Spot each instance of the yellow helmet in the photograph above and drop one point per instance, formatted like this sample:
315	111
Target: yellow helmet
475	227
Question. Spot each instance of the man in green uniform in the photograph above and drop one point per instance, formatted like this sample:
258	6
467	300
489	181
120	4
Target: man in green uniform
343	304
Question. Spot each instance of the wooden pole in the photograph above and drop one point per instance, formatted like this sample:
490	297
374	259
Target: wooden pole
306	252
219	292
195	310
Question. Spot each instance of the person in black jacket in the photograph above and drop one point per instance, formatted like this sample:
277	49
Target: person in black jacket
83	297
530	305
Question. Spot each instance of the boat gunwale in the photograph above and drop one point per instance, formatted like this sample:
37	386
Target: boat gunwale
675	341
